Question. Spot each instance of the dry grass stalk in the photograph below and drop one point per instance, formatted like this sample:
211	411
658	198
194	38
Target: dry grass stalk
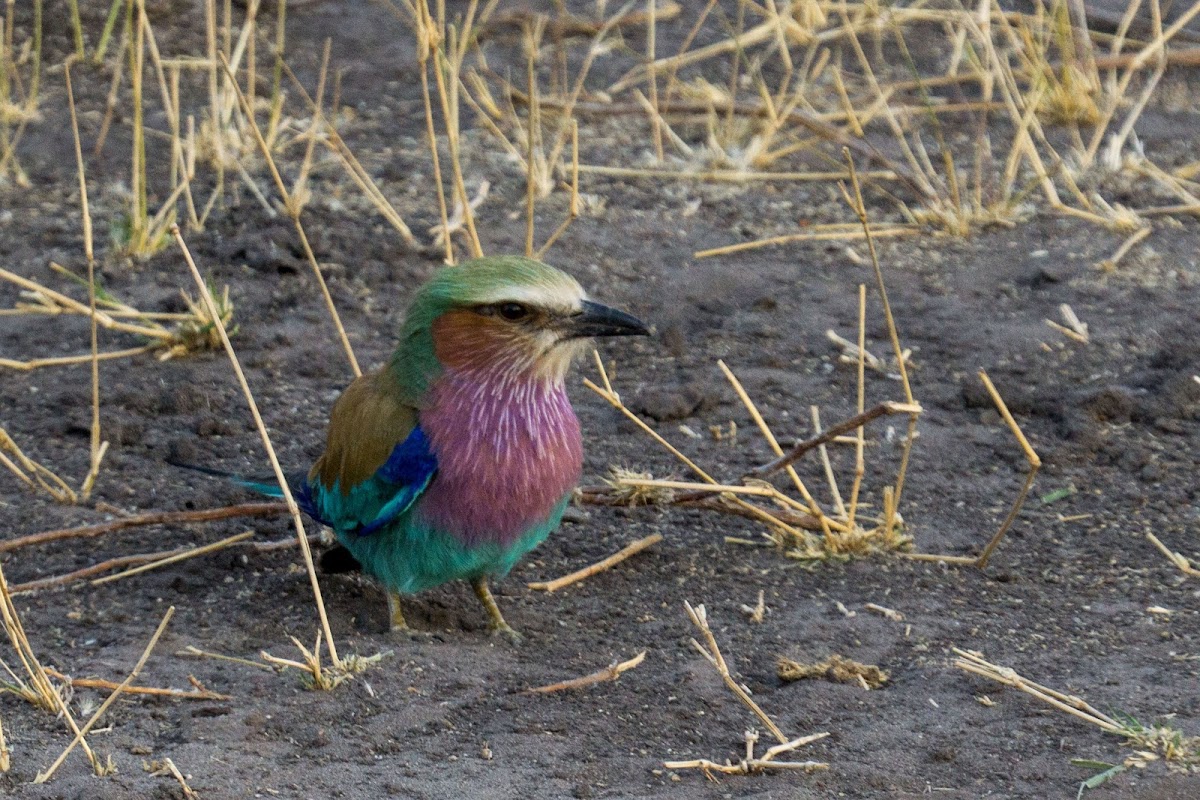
839	233
752	764
860	438
1182	753
328	134
1035	463
140	520
31	473
767	433
1073	327
197	692
1110	264
625	552
98	448
836	668
167	766
294	206
823	452
35	687
5	753
84	573
192	552
884	611
195	652
1031	456
1181	563
446	47
610	673
758	612
712	654
42	777
614	399
19	96
293	509
797	450
860	209
975	663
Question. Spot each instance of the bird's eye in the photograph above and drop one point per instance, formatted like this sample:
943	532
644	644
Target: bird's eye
513	311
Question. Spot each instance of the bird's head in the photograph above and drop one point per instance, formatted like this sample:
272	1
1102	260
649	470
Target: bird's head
503	312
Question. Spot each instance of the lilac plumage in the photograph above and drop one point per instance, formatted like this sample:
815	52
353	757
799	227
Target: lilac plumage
509	448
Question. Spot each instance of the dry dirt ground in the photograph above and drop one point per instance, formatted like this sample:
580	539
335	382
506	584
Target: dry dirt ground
1065	600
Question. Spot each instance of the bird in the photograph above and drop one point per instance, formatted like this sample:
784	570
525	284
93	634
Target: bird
460	454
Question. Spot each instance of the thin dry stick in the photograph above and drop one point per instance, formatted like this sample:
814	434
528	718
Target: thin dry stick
452	56
84	573
609	673
699	618
42	777
843	427
427	39
293	209
1035	464
1178	559
172	559
266	439
151	691
600	566
140	520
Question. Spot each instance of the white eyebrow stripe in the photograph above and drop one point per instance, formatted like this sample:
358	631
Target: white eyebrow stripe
564	296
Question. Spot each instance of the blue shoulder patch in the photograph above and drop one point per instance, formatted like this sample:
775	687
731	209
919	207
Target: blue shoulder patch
410	467
410	462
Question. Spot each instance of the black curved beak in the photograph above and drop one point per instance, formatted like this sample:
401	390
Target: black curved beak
600	320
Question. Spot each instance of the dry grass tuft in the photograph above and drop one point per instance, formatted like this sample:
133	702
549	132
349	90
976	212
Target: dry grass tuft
188	332
836	668
20	83
317	676
633	488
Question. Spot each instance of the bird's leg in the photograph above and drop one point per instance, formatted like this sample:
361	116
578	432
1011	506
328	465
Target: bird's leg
398	624
495	618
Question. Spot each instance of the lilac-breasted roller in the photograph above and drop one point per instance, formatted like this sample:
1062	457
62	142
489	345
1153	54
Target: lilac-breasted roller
459	455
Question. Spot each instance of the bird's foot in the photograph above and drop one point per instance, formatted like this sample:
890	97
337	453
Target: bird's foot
398	625
410	633
507	631
495	619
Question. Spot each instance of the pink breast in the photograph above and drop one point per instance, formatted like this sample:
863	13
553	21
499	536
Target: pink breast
508	448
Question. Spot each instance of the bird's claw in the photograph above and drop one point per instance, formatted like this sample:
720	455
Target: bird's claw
508	632
412	633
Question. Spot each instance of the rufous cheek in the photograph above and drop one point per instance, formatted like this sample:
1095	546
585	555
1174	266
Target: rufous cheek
465	340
